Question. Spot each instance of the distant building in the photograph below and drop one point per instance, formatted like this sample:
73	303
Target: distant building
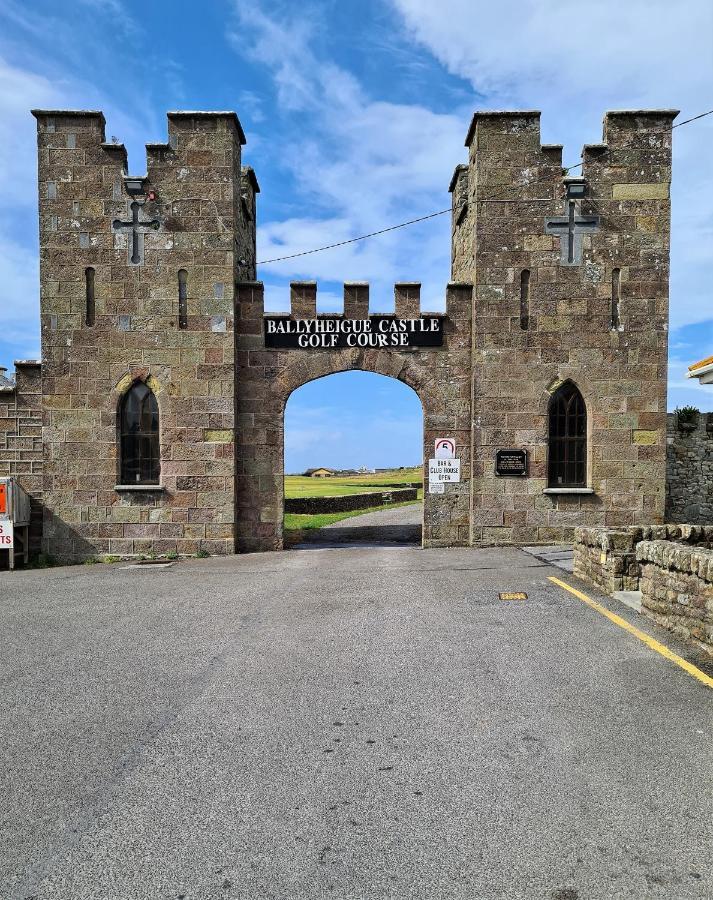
319	473
702	370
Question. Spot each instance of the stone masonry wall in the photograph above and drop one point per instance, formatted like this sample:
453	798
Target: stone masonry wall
21	437
607	557
348	501
620	368
265	378
677	589
689	472
198	201
599	320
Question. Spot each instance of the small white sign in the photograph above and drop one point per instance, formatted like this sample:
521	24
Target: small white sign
445	448
443	470
7	535
436	487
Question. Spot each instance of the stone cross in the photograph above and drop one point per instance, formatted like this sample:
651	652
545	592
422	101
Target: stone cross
137	232
570	228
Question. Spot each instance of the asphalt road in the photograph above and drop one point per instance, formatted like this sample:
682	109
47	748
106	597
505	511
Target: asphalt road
343	724
400	525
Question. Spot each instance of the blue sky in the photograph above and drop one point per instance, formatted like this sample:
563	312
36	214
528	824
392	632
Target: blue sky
355	113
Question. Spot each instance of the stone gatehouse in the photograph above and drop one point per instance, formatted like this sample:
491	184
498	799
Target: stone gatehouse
156	421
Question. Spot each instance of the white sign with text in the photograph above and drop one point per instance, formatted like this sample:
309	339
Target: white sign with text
443	470
7	534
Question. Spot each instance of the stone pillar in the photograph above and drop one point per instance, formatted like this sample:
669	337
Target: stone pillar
259	451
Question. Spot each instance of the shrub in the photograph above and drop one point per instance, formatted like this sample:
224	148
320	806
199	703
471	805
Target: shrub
687	415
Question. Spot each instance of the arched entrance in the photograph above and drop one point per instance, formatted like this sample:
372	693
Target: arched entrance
353	462
267	375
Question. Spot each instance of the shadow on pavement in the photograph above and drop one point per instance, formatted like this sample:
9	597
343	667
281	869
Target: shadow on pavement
391	535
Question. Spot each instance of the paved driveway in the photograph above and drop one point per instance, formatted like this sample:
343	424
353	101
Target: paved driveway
342	724
398	525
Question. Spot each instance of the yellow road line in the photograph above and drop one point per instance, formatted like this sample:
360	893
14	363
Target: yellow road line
641	635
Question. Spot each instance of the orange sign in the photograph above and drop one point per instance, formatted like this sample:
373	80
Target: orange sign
3	498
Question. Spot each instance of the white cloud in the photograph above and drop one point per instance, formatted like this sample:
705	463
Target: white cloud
348	437
358	163
648	51
22	89
19	309
640	53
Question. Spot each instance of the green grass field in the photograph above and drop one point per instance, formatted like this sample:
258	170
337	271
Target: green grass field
299	522
338	486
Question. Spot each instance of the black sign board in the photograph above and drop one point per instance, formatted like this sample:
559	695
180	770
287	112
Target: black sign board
511	462
336	332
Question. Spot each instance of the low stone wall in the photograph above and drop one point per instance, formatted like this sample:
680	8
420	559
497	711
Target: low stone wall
314	505
607	557
676	586
689	471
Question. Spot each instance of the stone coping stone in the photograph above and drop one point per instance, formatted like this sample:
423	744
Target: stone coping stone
628	537
677	557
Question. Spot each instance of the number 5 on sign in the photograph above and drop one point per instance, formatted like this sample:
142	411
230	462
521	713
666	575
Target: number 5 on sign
6	534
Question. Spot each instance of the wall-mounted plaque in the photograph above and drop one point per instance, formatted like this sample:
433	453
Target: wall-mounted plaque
336	332
511	462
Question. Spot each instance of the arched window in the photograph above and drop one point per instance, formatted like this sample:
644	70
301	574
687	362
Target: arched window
567	464
140	460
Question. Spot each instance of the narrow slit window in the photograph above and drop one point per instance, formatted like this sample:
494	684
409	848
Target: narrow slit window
182	298
525	299
89	290
616	298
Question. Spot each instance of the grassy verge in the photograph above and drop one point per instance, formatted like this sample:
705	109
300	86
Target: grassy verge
299	522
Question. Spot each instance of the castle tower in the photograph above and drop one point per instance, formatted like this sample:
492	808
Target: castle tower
137	286
569	323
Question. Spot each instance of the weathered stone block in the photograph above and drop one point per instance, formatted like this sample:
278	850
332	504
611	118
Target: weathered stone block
655	191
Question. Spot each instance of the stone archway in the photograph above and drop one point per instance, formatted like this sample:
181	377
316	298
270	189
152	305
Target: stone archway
265	378
410	531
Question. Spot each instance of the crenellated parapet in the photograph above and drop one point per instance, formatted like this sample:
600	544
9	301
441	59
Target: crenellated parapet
277	352
138	273
570	272
303	301
559	301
